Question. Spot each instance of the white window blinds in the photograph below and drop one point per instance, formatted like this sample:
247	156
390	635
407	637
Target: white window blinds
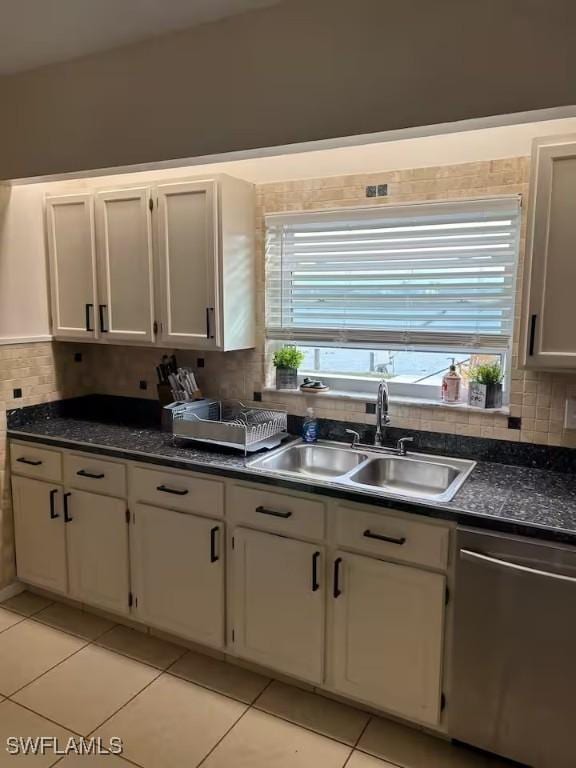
438	274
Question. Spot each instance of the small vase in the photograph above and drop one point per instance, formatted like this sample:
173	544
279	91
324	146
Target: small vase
286	378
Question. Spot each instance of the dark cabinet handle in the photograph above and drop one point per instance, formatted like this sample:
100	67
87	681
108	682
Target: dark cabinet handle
89	308
91	475
31	462
533	320
273	512
379	537
336	591
67	517
315	558
53	513
207	322
101	308
213	535
175	491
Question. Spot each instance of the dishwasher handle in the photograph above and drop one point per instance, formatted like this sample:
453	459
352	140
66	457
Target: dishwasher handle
466	554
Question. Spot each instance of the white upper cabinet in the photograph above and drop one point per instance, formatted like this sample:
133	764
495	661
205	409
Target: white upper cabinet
124	238
171	264
549	305
187	239
72	252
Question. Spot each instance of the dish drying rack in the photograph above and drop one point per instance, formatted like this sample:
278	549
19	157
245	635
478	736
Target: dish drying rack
235	426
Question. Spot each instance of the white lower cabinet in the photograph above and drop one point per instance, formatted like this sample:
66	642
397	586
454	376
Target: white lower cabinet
281	602
387	635
278	603
97	544
39	532
178	573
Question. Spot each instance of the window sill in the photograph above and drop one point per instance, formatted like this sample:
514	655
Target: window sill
367	397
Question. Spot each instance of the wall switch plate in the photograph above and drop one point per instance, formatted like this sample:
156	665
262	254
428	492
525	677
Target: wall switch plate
371	191
570	413
382	190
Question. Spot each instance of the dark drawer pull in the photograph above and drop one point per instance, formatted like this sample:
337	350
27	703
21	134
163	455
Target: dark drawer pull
213	534
32	462
379	537
315	584
336	591
53	513
175	491
273	512
91	475
67	515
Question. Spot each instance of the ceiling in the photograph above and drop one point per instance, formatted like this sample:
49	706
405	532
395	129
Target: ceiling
34	33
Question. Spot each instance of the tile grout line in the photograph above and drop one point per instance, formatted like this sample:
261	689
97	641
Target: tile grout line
86	644
234	724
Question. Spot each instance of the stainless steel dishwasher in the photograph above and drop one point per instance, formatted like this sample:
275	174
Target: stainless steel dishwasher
513	672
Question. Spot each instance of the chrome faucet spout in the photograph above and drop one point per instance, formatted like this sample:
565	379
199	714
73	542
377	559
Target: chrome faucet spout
382	417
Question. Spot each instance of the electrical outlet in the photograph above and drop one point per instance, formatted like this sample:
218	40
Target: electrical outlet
371	191
382	190
570	413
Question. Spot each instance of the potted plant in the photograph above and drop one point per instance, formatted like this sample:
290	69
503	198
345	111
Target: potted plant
287	361
485	388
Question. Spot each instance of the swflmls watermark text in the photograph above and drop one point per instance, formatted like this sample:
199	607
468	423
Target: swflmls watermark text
51	745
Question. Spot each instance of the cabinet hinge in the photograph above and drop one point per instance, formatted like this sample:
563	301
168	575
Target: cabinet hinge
447	596
130	599
127	515
151	204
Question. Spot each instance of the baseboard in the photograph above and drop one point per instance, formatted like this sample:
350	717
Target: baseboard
11	591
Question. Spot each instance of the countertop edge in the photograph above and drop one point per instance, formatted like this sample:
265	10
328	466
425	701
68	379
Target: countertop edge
436	511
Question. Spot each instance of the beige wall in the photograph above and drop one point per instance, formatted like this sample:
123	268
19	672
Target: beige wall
299	71
537	397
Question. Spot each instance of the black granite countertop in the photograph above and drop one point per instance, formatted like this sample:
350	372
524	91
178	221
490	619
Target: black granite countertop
514	499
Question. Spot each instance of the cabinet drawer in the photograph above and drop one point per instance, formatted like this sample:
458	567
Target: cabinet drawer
399	538
277	512
91	474
188	493
32	461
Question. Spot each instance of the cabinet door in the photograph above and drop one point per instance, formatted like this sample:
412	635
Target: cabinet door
387	633
72	256
188	264
178	573
278	603
124	242
549	340
97	541
39	533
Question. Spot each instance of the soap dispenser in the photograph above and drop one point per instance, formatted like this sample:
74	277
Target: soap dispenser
451	385
310	427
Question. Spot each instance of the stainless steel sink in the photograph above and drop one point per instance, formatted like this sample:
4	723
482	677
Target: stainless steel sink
406	476
415	475
317	460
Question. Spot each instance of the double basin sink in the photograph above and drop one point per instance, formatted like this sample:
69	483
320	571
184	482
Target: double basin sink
414	475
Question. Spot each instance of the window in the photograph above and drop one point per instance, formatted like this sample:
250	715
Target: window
397	291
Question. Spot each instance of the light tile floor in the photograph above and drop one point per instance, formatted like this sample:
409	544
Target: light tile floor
67	673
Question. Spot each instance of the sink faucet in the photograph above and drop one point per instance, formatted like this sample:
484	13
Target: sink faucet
382	417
